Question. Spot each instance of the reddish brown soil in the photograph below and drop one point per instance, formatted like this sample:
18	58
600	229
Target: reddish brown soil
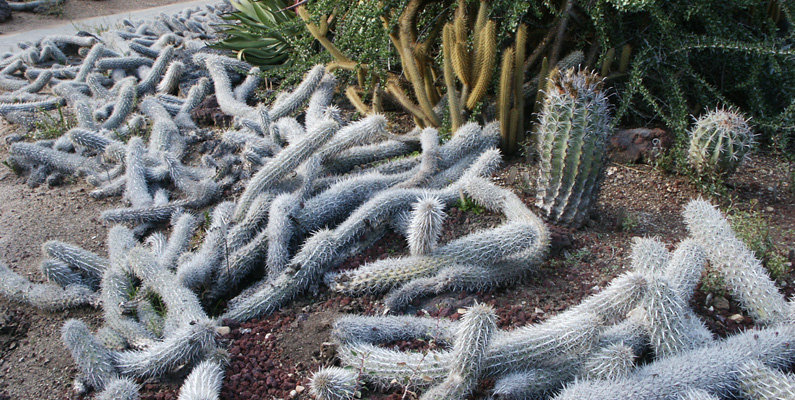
273	358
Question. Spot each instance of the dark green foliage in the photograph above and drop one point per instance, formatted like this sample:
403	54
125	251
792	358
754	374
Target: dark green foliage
689	56
261	32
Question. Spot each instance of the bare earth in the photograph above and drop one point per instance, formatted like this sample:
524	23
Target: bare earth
75	10
274	357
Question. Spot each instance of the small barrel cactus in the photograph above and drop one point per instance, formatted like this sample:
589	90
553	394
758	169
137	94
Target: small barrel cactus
719	141
572	133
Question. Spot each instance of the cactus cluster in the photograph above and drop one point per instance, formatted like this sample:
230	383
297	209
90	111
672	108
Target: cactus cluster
593	350
719	142
573	128
312	193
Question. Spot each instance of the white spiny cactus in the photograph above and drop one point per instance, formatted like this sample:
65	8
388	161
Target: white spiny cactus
334	384
93	359
469	354
744	274
426	225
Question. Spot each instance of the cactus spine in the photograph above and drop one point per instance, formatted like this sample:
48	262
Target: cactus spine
719	142
469	353
573	129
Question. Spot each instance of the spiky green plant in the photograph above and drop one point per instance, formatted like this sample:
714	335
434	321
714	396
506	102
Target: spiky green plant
256	32
572	133
719	142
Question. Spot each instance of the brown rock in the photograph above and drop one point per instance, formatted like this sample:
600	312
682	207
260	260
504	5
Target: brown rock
639	144
721	303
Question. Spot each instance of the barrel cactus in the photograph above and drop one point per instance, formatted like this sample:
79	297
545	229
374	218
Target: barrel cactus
719	142
574	125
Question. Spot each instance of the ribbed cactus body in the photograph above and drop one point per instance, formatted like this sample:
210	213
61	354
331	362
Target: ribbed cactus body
697	394
67	163
334	384
719	142
120	389
712	369
426	225
760	382
528	384
285	161
611	362
199	267
183	306
184	345
574	125
44	296
204	382
471	344
744	274
377	330
93	359
92	265
59	272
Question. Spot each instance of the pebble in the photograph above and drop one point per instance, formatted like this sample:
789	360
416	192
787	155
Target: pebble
223	330
738	318
769	209
721	303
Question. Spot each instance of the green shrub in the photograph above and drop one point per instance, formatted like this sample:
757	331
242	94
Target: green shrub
754	230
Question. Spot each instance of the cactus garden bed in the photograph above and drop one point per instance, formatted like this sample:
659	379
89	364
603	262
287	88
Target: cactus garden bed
635	201
249	260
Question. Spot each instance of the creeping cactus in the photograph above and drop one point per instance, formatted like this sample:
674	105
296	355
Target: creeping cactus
312	194
591	351
315	189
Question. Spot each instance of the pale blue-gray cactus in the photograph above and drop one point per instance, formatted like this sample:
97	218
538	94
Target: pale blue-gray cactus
334	383
204	381
44	296
746	278
198	268
283	162
94	360
712	368
470	348
120	389
186	344
760	382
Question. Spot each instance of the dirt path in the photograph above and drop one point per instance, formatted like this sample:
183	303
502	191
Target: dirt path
34	363
75	10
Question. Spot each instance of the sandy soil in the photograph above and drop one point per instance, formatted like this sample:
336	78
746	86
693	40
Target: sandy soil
75	10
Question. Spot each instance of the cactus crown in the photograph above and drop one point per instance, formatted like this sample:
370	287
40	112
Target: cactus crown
577	84
719	142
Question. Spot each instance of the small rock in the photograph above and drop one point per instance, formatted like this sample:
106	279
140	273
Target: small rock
223	330
721	303
708	300
738	318
299	389
538	311
293	393
639	144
